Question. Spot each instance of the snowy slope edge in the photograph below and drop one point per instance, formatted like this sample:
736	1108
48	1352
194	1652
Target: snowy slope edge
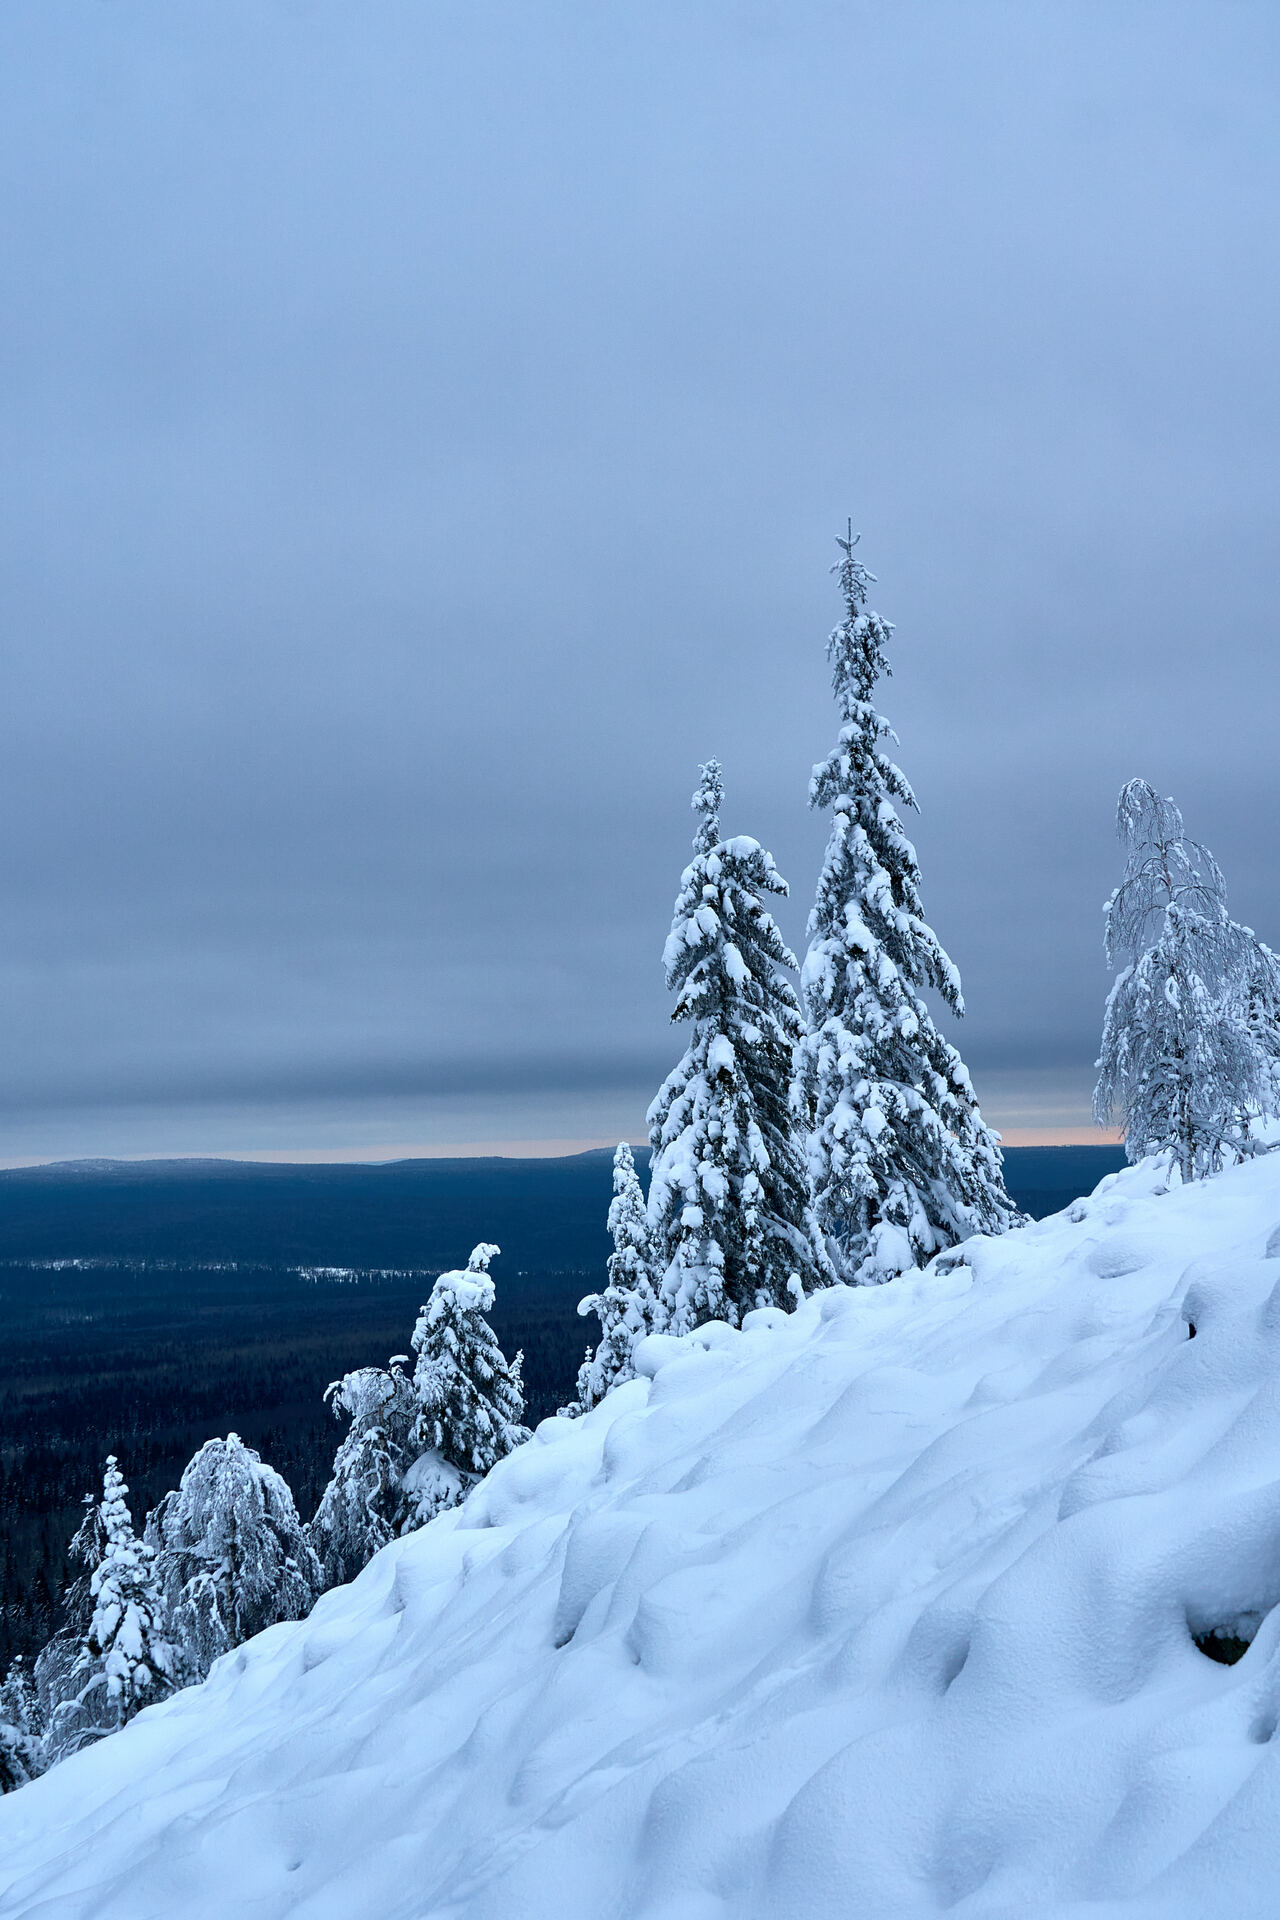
883	1608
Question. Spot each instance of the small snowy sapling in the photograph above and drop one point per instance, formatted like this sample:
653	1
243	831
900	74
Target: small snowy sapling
628	1307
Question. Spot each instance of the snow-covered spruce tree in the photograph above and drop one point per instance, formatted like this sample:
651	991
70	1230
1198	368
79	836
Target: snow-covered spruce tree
233	1556
1187	1042
20	1757
127	1632
72	1704
18	1752
360	1509
726	1189
900	1162
628	1307
112	1654
470	1397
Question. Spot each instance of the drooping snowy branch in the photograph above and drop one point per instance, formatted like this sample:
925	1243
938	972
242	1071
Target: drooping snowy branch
360	1509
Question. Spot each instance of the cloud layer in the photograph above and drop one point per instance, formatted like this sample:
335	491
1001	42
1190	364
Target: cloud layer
426	433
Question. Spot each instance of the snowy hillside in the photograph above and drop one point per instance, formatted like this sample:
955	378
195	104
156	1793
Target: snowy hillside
881	1610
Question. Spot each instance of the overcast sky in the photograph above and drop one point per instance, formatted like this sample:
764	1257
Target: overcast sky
425	430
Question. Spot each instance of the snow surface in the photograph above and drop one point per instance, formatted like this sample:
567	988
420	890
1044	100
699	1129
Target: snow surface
883	1609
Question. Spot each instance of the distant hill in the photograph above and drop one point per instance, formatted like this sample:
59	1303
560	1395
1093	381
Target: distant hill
546	1215
139	1355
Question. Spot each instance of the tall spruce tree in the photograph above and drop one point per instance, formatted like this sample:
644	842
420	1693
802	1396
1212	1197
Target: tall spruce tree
727	1192
1189	1039
470	1397
628	1308
900	1162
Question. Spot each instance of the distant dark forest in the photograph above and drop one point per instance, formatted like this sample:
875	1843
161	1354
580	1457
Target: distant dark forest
184	1310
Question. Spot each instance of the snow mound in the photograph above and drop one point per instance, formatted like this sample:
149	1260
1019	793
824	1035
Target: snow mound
888	1608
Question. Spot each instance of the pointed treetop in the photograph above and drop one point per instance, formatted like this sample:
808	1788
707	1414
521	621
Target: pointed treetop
628	1307
481	1256
115	1514
706	802
626	1215
856	648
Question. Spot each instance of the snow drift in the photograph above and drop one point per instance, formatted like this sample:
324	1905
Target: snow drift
886	1608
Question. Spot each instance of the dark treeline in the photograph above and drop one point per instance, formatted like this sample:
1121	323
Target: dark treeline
151	1362
147	1353
155	1351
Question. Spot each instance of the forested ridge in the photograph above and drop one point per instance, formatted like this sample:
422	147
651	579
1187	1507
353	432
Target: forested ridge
176	1310
148	1358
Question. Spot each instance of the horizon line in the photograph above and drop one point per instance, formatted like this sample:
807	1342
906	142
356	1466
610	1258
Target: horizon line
539	1149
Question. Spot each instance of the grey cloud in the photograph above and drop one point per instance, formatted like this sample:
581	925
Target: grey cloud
425	431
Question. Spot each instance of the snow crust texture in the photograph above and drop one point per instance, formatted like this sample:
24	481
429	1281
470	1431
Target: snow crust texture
883	1608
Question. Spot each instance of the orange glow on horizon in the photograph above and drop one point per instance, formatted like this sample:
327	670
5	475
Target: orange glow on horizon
1060	1136
553	1149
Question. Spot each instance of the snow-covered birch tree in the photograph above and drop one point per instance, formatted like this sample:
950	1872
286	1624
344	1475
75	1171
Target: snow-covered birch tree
726	1190
627	1309
1188	1040
900	1161
1262	1018
233	1557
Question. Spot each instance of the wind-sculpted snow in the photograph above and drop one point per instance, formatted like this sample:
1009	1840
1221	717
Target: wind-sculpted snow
883	1609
